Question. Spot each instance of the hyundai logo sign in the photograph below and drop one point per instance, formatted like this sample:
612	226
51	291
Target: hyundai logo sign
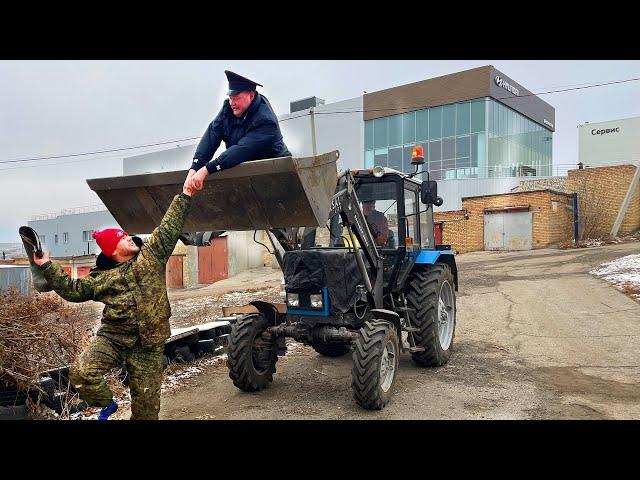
509	88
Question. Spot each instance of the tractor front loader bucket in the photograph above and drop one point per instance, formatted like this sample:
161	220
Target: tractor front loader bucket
257	195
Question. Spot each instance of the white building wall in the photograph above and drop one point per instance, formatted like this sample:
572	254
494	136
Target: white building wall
170	160
609	143
335	131
243	253
74	225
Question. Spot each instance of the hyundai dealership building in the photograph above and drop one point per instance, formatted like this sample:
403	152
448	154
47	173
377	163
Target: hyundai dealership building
481	131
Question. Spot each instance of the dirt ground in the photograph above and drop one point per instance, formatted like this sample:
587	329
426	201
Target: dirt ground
538	337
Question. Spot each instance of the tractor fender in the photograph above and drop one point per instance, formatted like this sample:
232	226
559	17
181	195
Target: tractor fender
389	316
431	257
269	311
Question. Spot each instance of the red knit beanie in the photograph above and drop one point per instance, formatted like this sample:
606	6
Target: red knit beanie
108	239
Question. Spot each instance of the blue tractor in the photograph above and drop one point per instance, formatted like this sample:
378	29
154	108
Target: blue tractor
361	268
375	285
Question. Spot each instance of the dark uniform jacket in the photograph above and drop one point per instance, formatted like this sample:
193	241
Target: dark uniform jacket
134	292
254	136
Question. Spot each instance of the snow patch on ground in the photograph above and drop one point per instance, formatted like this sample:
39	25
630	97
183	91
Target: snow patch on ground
193	311
294	348
593	243
178	378
623	273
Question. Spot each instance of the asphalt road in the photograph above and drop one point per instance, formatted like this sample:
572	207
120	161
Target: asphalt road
537	337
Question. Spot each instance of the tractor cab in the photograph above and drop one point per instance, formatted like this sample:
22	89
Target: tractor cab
398	211
391	202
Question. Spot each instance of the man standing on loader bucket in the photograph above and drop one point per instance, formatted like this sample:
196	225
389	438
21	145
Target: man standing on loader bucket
130	279
247	125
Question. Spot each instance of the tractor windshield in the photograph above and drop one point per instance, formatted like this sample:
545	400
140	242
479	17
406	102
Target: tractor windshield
378	201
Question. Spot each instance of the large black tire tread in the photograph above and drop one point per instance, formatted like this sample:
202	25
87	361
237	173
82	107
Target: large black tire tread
423	293
332	350
239	354
367	354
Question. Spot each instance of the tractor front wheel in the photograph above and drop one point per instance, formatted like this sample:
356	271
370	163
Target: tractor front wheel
375	363
251	355
431	293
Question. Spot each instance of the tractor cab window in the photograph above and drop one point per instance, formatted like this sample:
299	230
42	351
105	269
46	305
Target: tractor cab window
411	208
380	207
427	239
379	204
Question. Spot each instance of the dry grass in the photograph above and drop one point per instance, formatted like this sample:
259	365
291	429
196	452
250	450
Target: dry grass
597	242
631	289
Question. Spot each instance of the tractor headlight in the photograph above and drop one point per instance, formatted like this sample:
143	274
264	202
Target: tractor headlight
293	299
316	300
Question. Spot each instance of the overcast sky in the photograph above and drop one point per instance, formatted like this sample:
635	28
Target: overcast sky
64	107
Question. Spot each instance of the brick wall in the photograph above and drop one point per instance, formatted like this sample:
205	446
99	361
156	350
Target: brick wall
601	191
551	219
454	231
559	219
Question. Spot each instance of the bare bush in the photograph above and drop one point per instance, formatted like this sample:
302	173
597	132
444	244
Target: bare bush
592	213
37	333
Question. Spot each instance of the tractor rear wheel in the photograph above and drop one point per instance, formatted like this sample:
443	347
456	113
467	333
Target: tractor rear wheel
375	363
332	349
431	293
251	357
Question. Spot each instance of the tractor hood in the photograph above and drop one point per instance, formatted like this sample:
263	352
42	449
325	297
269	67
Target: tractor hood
310	271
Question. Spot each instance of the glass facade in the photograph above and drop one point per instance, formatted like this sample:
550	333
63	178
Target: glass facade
474	139
517	146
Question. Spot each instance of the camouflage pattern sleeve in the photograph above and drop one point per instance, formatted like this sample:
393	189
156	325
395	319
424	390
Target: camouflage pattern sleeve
79	290
164	238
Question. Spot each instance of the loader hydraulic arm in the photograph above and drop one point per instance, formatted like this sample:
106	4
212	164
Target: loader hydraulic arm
345	203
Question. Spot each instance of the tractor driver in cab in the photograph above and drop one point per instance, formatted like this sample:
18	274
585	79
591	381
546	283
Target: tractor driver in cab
378	223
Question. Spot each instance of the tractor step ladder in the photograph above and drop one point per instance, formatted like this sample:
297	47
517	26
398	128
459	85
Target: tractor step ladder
407	327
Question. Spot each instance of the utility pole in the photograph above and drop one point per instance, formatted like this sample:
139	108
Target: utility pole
626	201
313	131
575	219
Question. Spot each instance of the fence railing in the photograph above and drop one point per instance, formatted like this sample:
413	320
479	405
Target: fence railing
69	211
508	171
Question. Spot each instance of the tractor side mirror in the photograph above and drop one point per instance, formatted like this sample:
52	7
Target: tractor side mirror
429	193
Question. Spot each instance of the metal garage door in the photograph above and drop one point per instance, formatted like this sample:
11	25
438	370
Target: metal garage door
213	262
507	231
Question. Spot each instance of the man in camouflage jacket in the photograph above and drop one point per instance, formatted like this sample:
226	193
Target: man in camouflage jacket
129	278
